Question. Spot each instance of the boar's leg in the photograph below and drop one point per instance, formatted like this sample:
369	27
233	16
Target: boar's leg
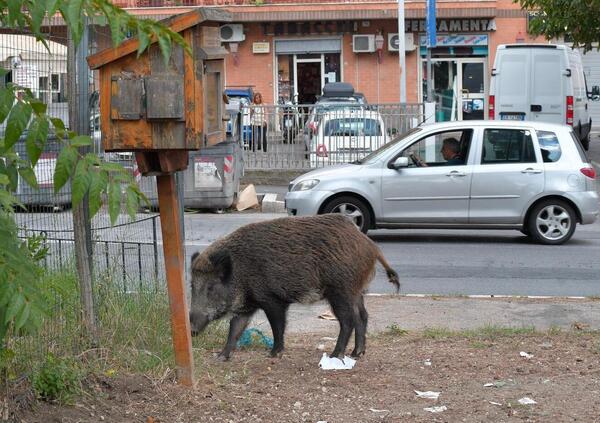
343	310
236	326
360	323
276	313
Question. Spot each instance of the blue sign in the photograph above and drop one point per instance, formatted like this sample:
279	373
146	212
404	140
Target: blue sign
430	23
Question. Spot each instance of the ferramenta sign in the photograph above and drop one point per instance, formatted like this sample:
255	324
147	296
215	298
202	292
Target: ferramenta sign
453	25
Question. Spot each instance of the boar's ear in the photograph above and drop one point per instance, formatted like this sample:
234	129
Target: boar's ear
196	254
221	260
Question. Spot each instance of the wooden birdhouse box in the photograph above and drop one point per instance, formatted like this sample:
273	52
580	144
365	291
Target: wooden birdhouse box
162	109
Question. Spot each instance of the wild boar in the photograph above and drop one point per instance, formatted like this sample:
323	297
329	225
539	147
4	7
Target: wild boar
270	265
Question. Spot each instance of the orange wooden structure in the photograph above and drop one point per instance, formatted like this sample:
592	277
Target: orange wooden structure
160	110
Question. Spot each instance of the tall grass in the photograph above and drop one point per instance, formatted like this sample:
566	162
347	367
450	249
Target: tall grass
134	330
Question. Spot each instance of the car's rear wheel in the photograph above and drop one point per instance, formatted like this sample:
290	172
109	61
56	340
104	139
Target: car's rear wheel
353	208
552	222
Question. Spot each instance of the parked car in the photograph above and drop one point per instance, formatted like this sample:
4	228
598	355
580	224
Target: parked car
529	176
541	82
346	135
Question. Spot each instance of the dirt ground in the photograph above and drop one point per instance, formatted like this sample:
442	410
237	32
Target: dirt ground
562	377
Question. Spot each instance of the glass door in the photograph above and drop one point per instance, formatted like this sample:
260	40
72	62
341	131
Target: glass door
308	77
459	88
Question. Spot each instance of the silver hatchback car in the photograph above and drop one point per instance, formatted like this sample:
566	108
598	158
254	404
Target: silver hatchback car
529	176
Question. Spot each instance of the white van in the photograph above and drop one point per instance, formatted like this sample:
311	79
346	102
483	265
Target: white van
541	82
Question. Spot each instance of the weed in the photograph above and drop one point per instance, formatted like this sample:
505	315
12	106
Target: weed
395	330
480	345
58	379
438	333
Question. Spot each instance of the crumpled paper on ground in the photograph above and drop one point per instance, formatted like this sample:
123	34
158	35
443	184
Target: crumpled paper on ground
328	363
437	409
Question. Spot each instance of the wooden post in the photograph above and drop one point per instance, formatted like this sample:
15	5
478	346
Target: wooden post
174	266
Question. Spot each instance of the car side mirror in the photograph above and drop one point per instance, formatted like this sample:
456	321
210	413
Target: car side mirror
399	163
595	93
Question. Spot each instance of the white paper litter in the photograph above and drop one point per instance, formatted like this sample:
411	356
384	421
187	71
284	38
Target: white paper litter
526	401
488	385
427	394
494	403
437	409
328	363
427	362
375	410
525	354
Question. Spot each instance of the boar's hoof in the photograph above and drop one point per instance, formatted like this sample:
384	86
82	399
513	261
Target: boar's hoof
357	354
222	357
276	351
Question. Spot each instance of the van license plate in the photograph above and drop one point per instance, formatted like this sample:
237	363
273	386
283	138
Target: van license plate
515	116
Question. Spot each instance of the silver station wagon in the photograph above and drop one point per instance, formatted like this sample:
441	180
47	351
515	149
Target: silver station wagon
529	176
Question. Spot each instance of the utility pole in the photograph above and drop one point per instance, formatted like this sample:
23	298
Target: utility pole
431	43
402	51
79	122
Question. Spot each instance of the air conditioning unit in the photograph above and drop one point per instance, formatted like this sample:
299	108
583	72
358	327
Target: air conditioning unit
363	43
232	33
409	42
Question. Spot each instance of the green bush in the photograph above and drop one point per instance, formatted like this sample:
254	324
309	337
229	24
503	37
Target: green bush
57	379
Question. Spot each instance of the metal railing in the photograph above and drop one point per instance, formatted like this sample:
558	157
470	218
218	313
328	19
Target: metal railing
293	137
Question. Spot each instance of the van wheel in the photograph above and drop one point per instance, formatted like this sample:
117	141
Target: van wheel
353	208
552	222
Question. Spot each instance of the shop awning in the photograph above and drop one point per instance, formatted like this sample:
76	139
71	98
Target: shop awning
327	45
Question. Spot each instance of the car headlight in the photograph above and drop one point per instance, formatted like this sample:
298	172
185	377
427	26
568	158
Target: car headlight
305	185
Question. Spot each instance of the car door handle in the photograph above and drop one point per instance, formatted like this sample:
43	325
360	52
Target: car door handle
531	170
456	173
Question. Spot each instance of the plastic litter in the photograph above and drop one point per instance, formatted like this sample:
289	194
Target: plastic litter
526	401
497	384
427	362
525	355
254	336
437	409
328	363
494	403
427	394
375	410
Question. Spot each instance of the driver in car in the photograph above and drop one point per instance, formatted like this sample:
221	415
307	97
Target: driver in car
450	151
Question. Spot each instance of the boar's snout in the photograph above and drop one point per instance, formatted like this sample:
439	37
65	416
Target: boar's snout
198	322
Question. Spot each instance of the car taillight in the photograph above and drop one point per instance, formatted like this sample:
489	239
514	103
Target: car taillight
492	107
322	151
570	110
590	172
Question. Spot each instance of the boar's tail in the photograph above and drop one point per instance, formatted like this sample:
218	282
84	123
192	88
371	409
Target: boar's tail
391	273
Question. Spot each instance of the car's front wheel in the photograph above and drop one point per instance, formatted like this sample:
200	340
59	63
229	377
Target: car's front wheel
552	222
353	208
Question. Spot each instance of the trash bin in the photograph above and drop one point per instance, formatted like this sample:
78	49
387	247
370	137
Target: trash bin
212	179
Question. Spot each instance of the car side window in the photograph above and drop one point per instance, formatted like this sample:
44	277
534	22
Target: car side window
507	146
449	148
549	146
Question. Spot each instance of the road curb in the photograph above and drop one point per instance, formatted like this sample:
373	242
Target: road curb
479	297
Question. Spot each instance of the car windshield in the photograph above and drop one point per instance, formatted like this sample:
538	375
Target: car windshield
376	155
352	127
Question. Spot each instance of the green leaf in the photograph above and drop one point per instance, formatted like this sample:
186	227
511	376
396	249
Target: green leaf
81	182
64	167
14	12
144	40
23	316
13	175
38	11
17	122
115	29
114	201
4	179
51	7
36	139
98	184
28	175
81	141
164	42
15	305
132	201
3	72
72	14
7	98
38	107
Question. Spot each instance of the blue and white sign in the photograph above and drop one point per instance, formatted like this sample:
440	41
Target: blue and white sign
430	22
457	40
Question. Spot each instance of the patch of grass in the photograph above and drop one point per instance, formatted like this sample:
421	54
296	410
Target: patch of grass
58	380
395	330
438	333
480	345
554	330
